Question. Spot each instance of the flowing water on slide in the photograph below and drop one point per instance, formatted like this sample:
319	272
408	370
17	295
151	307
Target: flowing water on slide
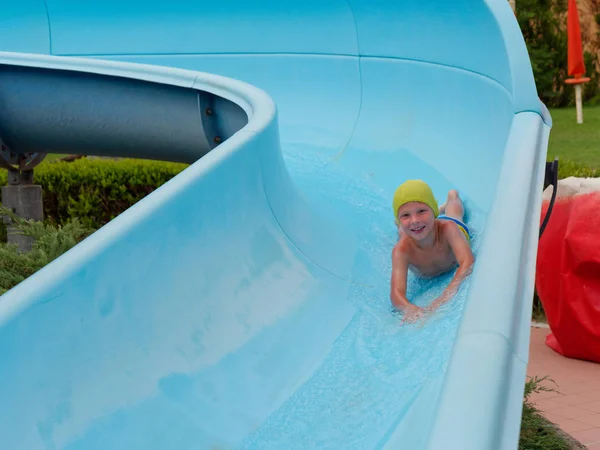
377	366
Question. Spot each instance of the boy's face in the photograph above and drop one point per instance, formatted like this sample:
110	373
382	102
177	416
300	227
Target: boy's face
416	220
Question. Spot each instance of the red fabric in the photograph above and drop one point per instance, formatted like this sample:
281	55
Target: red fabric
576	65
568	276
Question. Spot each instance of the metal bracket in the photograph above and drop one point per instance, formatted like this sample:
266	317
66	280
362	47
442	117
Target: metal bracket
209	119
19	166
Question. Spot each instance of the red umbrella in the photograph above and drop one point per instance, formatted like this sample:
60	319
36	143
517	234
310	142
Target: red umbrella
575	56
576	66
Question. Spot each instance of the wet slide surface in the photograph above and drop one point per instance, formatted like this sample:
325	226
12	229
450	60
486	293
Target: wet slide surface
245	304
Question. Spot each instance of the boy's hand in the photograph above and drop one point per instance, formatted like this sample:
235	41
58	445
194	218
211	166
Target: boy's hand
436	304
412	313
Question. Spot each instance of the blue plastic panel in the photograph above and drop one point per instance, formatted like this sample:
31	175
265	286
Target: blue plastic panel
525	96
24	26
227	26
436	31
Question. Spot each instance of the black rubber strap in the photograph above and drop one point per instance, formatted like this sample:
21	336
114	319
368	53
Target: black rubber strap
551	178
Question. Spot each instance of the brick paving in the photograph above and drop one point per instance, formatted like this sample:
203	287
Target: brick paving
575	407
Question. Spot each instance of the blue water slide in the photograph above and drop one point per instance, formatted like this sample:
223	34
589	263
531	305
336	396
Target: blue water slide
245	303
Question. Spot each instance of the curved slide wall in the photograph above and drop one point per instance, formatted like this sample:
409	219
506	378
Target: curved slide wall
244	303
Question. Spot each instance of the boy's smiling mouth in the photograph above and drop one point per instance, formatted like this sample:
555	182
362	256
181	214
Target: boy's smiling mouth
417	229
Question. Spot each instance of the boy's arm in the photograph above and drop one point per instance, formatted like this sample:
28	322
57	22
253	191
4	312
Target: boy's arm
464	256
398	282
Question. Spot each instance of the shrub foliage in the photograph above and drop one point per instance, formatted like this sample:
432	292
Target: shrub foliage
51	241
97	190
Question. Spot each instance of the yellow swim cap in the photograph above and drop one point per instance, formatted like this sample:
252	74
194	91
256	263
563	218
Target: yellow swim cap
414	191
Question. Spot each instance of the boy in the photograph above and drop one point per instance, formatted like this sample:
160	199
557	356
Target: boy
429	244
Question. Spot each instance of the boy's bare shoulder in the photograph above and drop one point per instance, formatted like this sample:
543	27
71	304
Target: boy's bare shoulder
402	247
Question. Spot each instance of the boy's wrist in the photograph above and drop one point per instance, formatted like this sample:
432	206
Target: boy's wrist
402	304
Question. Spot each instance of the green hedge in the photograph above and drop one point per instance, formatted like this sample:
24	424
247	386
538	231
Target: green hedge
97	190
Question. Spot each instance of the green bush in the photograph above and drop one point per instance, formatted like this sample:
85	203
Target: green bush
97	190
50	242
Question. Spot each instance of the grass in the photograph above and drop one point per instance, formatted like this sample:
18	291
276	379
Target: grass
537	433
579	143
